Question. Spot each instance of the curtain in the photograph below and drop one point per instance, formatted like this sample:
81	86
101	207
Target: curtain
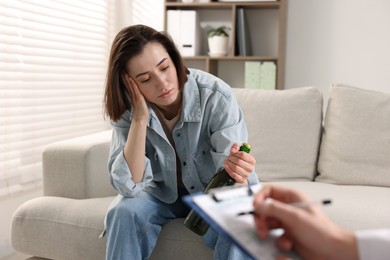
53	58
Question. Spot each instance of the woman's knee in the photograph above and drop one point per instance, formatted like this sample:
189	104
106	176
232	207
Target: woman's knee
137	208
124	212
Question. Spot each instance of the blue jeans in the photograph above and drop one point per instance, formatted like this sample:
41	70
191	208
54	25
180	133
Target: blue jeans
133	226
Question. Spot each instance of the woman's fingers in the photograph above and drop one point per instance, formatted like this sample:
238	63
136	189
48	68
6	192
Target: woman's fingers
138	101
239	164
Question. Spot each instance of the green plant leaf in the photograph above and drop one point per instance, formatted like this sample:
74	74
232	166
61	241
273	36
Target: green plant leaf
220	31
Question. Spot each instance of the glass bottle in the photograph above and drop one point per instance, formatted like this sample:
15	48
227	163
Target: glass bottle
193	221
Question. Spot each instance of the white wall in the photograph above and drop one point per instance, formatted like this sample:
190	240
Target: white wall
338	41
130	12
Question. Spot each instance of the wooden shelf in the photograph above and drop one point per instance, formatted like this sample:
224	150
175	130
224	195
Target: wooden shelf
217	5
267	28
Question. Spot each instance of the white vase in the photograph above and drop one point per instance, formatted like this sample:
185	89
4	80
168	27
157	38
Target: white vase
218	45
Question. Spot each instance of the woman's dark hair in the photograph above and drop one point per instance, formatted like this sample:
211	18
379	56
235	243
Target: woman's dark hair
129	42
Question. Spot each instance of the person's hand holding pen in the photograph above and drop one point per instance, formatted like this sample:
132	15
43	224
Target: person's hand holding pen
307	230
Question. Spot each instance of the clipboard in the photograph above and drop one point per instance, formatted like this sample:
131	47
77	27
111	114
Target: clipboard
223	208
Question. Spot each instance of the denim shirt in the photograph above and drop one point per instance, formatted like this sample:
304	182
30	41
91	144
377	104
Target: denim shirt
210	122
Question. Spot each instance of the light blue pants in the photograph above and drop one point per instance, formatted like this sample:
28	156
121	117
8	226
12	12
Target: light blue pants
133	226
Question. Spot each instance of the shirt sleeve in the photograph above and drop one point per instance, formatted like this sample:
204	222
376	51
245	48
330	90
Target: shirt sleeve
373	244
228	126
120	174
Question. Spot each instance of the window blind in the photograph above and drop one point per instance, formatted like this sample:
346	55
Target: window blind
53	57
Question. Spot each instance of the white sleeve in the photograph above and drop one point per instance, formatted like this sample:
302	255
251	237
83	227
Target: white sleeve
373	244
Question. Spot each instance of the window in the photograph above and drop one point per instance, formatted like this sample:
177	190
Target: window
53	57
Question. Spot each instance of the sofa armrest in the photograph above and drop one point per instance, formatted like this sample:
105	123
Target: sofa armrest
77	168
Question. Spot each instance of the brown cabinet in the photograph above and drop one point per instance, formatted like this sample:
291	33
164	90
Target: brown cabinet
266	27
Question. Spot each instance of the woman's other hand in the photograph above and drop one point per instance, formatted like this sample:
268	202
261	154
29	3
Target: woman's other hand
239	164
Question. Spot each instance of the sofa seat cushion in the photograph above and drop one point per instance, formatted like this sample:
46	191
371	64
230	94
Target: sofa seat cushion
181	243
60	228
355	146
284	129
353	207
63	228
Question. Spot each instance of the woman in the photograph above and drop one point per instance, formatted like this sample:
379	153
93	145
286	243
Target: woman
172	131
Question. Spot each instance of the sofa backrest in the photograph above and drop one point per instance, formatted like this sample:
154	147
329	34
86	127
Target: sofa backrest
355	148
284	131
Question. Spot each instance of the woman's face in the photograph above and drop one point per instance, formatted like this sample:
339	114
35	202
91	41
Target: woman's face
155	74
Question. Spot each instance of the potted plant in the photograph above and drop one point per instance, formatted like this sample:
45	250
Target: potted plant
218	39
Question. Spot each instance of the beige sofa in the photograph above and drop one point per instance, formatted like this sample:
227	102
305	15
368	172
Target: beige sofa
346	158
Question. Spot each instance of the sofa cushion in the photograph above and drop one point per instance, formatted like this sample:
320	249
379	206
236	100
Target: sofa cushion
60	228
355	145
351	208
63	228
284	131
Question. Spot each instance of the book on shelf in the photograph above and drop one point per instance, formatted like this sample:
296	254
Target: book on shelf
268	75
183	26
243	36
260	75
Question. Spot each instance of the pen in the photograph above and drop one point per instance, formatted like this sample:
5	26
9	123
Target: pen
300	204
250	192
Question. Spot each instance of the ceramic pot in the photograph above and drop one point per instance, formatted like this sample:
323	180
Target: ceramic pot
218	45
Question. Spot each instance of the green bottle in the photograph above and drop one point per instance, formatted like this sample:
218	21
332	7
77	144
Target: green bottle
193	221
